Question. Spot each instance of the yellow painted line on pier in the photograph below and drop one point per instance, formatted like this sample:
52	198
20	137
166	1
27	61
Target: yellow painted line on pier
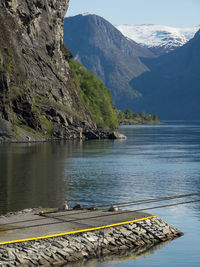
75	232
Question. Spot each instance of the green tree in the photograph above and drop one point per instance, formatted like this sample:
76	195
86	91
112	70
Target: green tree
128	114
120	115
142	114
155	117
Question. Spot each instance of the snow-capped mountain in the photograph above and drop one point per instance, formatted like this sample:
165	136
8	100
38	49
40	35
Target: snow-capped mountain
159	39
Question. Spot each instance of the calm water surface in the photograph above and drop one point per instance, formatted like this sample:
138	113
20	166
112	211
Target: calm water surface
154	161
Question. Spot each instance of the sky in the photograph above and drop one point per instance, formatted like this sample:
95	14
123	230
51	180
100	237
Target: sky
175	13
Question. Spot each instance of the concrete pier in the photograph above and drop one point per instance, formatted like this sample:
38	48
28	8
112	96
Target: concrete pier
56	238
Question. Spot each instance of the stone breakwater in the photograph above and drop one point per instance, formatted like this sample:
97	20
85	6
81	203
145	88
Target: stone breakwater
87	245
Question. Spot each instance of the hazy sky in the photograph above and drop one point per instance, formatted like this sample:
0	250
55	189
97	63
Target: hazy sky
178	13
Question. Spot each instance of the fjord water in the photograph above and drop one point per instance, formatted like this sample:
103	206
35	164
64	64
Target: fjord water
154	161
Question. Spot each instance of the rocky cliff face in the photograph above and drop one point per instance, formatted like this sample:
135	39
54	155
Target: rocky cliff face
38	95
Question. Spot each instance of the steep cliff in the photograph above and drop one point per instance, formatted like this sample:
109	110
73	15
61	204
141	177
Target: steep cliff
38	94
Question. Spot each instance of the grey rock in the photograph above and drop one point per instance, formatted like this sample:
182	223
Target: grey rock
125	232
77	207
116	135
57	244
113	208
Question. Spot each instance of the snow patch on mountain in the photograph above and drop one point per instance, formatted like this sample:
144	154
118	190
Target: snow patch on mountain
82	14
86	14
152	36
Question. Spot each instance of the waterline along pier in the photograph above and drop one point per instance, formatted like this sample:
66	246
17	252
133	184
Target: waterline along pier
36	238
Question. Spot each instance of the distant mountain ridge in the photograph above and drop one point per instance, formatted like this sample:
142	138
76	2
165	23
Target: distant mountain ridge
158	38
103	49
172	86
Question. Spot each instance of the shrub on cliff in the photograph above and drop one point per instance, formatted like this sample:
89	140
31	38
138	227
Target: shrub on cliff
95	95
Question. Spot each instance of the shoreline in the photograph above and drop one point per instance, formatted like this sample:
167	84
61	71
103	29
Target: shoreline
108	136
141	123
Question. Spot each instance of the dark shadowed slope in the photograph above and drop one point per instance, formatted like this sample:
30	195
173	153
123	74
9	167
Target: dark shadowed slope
172	87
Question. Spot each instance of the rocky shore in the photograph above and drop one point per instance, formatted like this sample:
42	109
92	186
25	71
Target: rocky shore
8	136
141	234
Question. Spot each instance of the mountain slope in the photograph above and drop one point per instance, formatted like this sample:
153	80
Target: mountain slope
39	98
104	50
172	87
158	38
95	96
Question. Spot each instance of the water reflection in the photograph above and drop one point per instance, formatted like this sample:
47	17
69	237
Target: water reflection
153	161
122	256
33	175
